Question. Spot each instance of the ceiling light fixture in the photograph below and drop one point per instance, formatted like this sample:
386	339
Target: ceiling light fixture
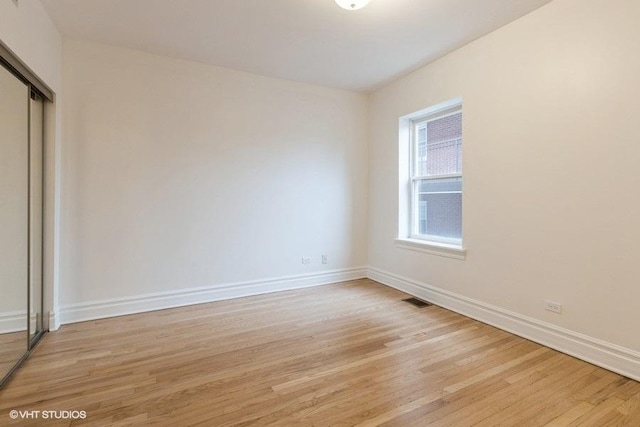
352	4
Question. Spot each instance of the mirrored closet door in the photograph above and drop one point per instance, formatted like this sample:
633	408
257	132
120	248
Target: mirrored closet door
14	218
36	213
21	218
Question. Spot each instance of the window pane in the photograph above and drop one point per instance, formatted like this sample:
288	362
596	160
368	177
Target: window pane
440	146
440	185
439	208
421	133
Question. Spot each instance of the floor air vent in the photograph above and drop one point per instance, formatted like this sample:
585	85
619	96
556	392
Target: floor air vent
417	302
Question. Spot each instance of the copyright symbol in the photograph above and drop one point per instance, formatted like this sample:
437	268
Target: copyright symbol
13	414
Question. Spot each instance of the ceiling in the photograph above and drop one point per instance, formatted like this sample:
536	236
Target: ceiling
304	40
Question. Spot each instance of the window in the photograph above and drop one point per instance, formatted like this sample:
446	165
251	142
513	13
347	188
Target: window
431	140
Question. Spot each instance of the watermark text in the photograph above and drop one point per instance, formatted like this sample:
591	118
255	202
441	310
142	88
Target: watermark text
47	415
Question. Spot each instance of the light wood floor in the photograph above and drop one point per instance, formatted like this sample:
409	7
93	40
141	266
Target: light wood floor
340	355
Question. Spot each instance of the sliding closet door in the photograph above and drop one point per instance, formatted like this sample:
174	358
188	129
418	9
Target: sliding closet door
14	219
36	118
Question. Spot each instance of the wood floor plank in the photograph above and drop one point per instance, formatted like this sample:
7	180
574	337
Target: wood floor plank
599	415
340	355
570	415
631	410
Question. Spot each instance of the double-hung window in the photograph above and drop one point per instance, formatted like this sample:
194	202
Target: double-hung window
435	175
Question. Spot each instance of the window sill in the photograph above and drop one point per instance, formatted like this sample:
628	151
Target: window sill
432	248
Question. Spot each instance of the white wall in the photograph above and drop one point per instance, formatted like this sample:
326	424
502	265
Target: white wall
30	34
551	175
180	175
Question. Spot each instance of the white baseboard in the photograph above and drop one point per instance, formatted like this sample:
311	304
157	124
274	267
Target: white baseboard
601	353
54	321
157	301
13	321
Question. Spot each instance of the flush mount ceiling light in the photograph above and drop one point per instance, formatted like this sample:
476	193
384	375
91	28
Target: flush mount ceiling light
352	4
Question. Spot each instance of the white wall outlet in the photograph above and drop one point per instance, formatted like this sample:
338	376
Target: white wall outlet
306	260
554	307
325	259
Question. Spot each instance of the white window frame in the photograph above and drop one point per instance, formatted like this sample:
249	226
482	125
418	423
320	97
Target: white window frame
408	238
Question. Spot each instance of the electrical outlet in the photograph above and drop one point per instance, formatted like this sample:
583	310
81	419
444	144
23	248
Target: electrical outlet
306	260
325	259
554	307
